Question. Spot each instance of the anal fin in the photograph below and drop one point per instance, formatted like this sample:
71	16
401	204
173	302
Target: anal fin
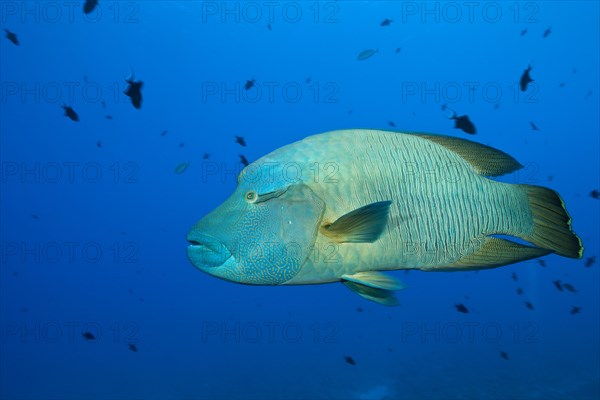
494	252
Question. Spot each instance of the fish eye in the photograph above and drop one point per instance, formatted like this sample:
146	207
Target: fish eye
250	196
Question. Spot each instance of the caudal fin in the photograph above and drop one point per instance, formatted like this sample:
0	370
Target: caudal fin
551	223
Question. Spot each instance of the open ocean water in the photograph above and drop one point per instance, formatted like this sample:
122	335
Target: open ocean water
99	187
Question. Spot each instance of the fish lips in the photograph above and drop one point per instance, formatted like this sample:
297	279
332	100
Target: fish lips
207	252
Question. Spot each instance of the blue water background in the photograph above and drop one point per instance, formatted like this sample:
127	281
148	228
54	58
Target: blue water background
200	337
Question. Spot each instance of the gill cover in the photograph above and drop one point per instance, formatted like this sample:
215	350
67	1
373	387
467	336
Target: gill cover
275	234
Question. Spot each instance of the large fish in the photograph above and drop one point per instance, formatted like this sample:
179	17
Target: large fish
344	206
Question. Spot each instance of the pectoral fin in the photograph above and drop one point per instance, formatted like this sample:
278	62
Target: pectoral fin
381	296
363	225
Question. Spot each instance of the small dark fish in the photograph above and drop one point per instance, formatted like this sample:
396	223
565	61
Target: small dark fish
575	310
243	160
103	104
134	91
24	309
504	355
108	117
542	263
163	133
132	347
398	50
519	291
525	79
34	216
558	285
514	277
392	124
590	261
547	32
529	305
523	32
595	194
562	84
569	287
533	126
181	145
12	37
88	336
461	308
269	27
240	140
205	156
350	360
386	22
496	106
308	79
70	113
98	144
249	84
550	178
464	124
358	309
363	55
89	6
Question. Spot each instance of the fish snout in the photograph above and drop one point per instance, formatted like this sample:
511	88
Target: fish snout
206	251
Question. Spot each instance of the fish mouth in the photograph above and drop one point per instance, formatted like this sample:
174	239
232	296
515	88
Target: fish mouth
205	251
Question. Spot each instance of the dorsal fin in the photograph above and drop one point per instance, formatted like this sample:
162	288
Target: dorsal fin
486	160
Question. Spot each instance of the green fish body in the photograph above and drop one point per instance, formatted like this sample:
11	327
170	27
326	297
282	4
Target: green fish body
181	167
346	206
365	54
